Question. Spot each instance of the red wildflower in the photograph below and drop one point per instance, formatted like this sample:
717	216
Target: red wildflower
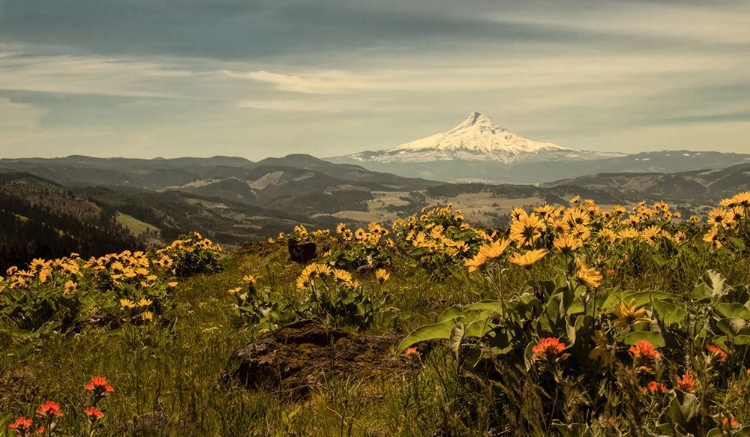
93	413
22	424
549	348
99	385
411	353
644	353
715	351
40	430
654	387
726	423
686	382
49	408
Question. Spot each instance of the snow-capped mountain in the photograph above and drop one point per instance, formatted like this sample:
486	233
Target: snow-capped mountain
477	138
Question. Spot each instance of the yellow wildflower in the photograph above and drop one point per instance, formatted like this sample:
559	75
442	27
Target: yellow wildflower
529	258
382	275
526	229
589	275
629	314
70	287
495	249
126	304
567	243
475	263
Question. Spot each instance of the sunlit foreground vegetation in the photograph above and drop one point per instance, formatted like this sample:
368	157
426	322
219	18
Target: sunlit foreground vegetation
577	320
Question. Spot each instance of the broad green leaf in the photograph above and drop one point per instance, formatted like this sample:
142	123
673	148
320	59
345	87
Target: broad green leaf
548	321
456	336
733	326
576	307
478	328
655	338
528	355
737	243
475	311
570	330
732	310
646	297
683	409
440	330
669	313
715	284
742	340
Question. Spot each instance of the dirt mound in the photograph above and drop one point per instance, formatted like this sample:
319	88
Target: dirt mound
295	357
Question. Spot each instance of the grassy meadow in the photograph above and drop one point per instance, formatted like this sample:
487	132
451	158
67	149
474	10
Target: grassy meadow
575	321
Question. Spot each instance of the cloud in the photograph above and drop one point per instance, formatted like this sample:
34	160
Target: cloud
324	82
66	74
19	117
301	106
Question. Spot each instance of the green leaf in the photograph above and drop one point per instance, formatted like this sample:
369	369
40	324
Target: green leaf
570	330
655	338
684	409
528	355
669	313
456	336
714	284
733	326
737	243
742	340
548	321
732	310
440	330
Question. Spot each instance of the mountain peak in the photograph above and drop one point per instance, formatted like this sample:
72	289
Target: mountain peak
481	122
477	138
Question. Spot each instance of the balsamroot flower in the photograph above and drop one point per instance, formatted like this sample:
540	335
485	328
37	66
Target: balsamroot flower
549	349
382	275
475	263
588	275
525	229
566	243
529	258
644	354
630	315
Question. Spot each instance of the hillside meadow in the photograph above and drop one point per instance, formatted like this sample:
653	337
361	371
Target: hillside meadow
576	320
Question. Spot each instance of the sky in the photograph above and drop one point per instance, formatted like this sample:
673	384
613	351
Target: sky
260	78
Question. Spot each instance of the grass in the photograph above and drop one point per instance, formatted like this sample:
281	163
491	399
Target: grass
170	376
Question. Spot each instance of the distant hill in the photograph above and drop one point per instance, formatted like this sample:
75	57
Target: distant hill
689	188
231	200
41	219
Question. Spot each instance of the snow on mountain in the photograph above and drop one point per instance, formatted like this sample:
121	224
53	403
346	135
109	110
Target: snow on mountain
477	138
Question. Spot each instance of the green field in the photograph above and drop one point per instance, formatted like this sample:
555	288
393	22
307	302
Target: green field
576	320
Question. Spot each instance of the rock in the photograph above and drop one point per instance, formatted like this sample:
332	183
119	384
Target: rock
301	252
147	424
295	357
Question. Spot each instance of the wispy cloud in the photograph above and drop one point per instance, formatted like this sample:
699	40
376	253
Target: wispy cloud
65	74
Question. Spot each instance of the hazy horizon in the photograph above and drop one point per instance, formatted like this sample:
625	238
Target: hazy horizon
177	78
